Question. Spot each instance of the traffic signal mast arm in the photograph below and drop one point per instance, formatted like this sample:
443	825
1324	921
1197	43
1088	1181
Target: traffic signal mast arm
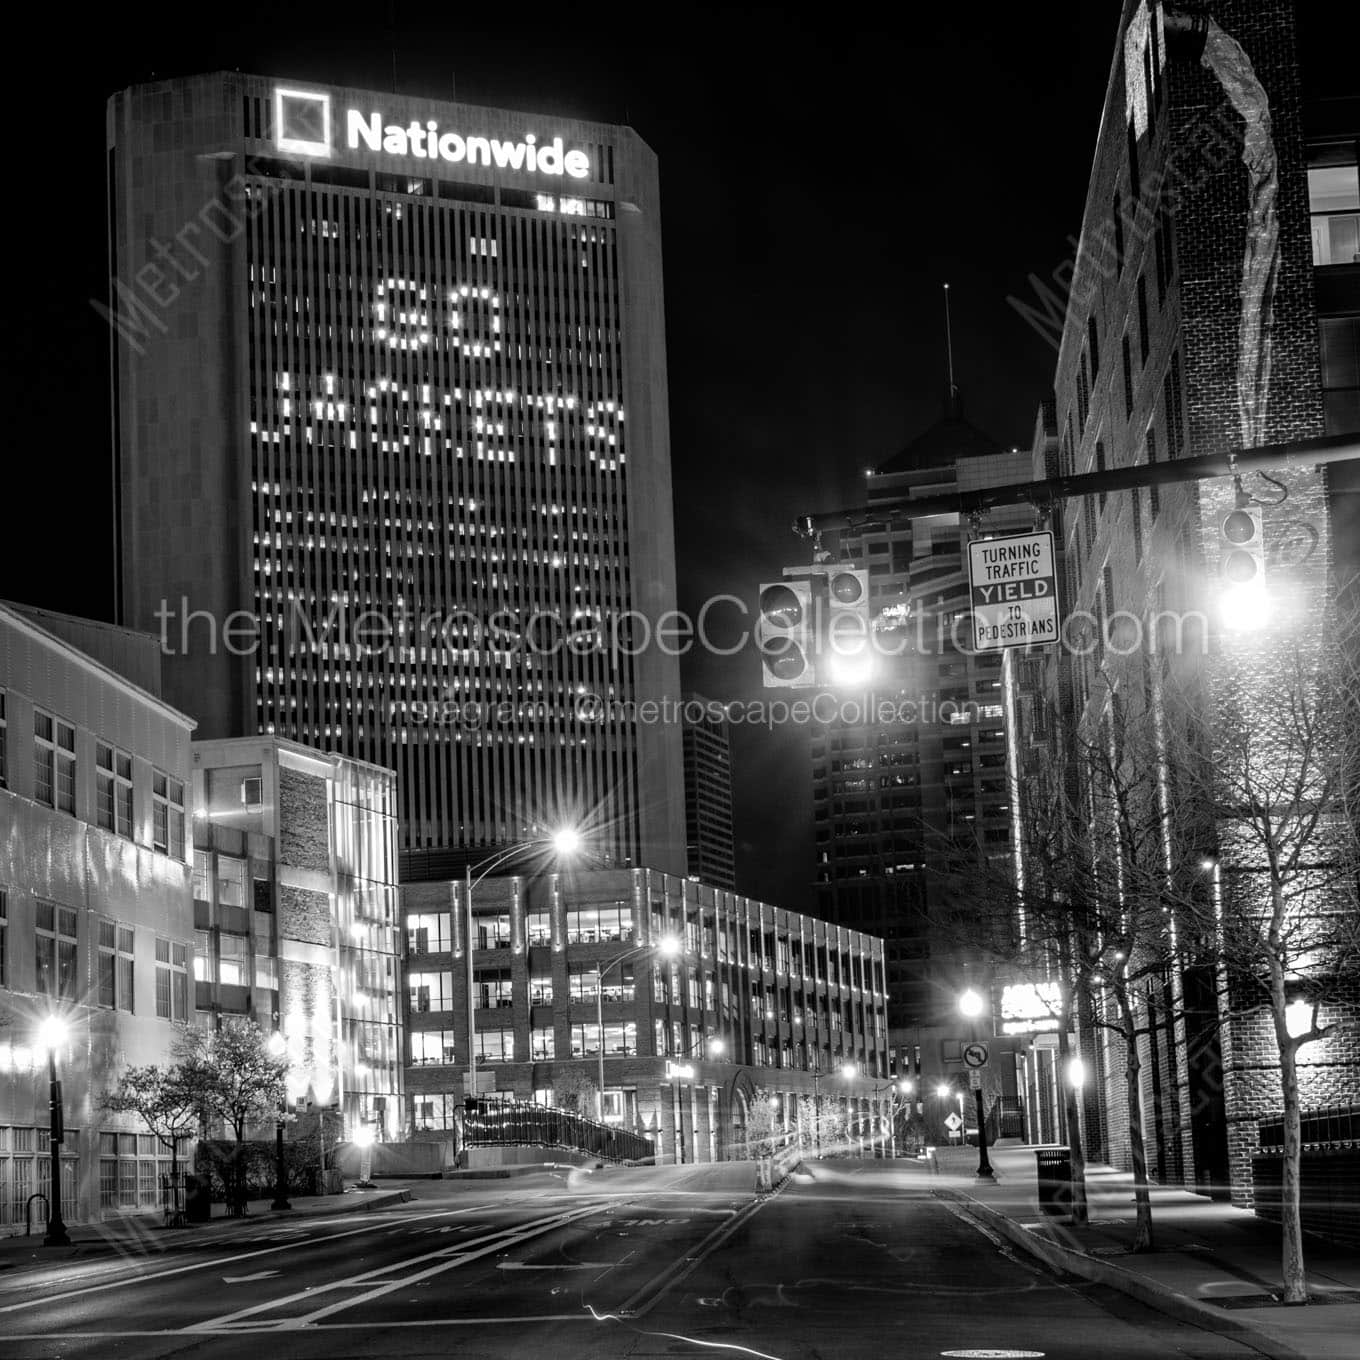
1268	458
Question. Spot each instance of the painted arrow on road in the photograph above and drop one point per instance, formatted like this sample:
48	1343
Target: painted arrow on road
245	1279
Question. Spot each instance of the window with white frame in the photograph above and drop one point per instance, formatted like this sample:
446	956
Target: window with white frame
172	981
538	927
167	815
54	762
541	990
542	1044
233	967
113	789
55	938
115	965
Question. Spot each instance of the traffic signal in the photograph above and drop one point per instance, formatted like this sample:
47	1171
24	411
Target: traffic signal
784	634
848	653
1242	565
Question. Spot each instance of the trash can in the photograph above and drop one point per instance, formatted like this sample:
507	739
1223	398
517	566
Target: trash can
1055	1179
197	1198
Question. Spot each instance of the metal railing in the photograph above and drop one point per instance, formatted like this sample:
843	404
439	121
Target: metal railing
490	1123
1337	1126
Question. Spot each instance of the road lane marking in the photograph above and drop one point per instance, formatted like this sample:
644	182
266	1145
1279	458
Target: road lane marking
45	1299
448	1258
246	1279
642	1300
568	1265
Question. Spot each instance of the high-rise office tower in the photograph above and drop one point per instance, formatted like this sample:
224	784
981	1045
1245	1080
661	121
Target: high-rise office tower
918	764
708	792
392	461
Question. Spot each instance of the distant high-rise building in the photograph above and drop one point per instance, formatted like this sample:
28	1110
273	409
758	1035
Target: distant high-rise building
392	458
708	793
920	760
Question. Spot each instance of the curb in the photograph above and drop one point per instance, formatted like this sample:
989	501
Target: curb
218	1227
1158	1296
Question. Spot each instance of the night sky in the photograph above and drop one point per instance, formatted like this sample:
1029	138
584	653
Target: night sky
819	183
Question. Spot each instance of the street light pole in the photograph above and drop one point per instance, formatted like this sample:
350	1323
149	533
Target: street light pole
972	1005
54	1030
280	1168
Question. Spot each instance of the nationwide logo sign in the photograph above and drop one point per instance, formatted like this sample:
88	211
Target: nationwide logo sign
303	127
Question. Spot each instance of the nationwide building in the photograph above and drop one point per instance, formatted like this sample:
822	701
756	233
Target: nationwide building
297	919
96	917
392	459
754	1003
707	746
916	761
1213	306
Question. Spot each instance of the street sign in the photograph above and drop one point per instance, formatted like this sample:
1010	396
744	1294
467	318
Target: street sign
975	1055
953	1123
975	1079
1014	591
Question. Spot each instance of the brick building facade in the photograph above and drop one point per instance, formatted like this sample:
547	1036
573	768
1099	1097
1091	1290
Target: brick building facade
1192	327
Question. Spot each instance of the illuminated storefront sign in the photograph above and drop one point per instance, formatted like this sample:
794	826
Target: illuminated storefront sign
679	1072
302	125
1027	1007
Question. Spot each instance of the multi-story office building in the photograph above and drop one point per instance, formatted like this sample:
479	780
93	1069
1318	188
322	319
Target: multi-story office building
759	999
1213	234
390	424
707	745
96	921
296	915
918	763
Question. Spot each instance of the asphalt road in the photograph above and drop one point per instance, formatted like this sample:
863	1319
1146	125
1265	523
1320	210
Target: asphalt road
853	1260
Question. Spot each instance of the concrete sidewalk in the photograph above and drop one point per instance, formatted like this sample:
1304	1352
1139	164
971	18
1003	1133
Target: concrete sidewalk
145	1234
1212	1264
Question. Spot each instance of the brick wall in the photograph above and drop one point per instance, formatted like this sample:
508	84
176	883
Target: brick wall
1161	267
304	821
304	915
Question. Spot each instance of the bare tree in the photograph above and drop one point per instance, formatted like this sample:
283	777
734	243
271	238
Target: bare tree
1086	913
1276	767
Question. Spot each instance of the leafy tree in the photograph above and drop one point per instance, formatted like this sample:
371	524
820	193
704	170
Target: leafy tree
164	1100
234	1079
575	1090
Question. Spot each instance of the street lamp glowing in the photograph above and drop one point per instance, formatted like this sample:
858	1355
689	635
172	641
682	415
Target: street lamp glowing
849	1070
52	1033
943	1091
277	1044
716	1047
905	1087
1076	1073
668	946
363	1136
971	1004
567	841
